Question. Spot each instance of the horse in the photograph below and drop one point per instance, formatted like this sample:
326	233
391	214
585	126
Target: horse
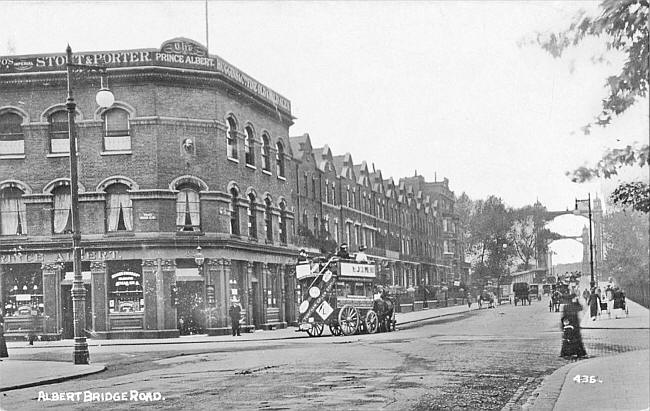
384	308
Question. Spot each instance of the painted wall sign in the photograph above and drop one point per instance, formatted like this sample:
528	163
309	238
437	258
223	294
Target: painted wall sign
179	52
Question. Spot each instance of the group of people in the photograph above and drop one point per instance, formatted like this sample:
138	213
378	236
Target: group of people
611	300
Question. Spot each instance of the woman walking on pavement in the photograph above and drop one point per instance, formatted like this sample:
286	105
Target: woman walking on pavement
594	304
572	346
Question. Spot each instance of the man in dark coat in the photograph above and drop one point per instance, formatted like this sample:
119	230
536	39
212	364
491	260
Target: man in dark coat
3	344
343	252
235	317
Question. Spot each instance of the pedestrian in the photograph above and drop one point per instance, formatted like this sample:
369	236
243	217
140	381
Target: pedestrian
235	317
609	295
469	300
3	344
572	346
594	304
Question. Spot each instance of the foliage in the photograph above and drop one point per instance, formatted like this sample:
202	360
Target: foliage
635	195
624	26
627	251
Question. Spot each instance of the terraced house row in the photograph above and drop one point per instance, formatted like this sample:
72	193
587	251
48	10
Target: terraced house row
192	194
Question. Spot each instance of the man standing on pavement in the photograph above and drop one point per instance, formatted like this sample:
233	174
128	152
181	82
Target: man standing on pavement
3	345
235	317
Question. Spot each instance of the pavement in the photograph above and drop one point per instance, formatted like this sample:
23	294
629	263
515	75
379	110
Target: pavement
618	382
16	374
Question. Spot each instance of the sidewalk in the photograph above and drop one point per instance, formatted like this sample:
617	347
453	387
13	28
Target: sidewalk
16	374
618	382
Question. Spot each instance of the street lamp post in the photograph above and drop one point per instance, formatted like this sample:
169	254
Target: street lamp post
592	282
104	99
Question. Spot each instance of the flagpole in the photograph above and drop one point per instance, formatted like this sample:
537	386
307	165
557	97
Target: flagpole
207	41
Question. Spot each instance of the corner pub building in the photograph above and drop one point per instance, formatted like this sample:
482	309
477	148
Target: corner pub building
184	203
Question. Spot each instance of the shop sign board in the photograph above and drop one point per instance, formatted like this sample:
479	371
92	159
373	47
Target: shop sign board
178	52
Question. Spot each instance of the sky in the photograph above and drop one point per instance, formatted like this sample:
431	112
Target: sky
441	88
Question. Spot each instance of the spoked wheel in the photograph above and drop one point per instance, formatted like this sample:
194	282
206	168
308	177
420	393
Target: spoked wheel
335	329
316	330
349	320
371	322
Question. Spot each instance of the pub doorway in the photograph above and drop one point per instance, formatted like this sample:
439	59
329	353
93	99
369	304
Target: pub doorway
68	310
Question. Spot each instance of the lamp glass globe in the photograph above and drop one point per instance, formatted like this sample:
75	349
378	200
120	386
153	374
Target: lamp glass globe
104	98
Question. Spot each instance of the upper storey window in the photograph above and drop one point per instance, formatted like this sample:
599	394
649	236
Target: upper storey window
59	132
249	146
117	134
231	138
12	211
188	210
61	216
279	158
12	138
119	211
266	153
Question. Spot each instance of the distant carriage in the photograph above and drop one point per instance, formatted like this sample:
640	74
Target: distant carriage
339	294
559	295
521	293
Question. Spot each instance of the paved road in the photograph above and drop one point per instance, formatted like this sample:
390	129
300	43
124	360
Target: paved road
485	359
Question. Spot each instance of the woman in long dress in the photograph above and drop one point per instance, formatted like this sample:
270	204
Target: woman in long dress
572	346
594	304
3	344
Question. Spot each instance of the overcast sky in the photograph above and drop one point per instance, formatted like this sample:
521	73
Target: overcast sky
439	87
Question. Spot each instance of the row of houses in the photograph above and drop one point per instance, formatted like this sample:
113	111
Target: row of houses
192	195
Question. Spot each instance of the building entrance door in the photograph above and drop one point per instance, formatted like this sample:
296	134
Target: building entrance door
68	310
190	310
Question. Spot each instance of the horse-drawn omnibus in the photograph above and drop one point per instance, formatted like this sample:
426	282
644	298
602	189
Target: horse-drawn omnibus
340	294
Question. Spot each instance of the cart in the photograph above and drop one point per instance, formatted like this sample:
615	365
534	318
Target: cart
338	294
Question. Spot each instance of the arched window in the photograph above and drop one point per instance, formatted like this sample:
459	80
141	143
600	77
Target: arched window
117	134
252	216
234	211
59	134
12	138
268	219
231	138
119	211
279	158
249	146
283	222
266	153
61	212
12	211
188	209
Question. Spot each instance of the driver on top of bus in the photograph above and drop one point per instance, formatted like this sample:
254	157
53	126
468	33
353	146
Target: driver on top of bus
343	251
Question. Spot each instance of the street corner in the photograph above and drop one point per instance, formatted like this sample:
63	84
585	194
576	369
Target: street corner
23	374
616	382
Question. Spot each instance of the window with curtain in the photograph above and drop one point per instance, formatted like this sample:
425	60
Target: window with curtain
12	138
188	209
268	219
61	214
252	217
266	153
249	146
231	138
234	211
117	134
283	222
12	211
279	158
59	134
119	211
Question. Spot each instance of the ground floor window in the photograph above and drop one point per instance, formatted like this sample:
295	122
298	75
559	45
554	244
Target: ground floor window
22	290
125	288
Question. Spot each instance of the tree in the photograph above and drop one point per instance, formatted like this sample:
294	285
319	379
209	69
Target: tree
626	246
624	26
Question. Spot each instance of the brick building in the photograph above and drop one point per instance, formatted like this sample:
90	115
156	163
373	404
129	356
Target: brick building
193	159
